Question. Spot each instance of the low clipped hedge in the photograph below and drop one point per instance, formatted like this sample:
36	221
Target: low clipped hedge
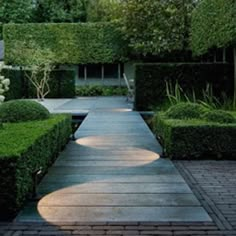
151	78
62	84
24	147
195	138
99	90
22	110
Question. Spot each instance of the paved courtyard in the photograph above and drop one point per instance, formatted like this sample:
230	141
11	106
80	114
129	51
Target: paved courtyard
112	181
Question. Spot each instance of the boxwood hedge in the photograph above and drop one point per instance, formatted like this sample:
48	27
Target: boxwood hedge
150	80
195	138
24	147
70	43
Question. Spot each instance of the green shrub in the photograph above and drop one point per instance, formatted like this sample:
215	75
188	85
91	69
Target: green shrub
151	78
62	84
24	147
219	116
195	138
1	29
99	90
17	88
185	111
70	43
22	110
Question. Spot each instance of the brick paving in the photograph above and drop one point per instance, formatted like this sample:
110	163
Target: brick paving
214	184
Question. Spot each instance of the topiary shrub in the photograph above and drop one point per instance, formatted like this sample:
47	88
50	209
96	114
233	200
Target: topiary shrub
22	110
185	111
219	116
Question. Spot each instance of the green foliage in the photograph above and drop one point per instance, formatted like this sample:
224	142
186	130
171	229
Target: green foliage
195	138
62	84
153	27
213	25
98	90
16	11
219	116
185	111
69	43
22	110
151	79
104	10
60	11
16	90
1	29
24	148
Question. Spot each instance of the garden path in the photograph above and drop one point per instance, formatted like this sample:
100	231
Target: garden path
112	172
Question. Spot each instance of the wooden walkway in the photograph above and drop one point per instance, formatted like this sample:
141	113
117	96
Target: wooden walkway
113	173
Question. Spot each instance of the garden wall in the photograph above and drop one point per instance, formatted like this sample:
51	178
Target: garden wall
62	84
150	80
24	148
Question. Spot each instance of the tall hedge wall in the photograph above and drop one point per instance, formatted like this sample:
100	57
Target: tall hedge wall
70	43
150	80
1	29
62	84
213	25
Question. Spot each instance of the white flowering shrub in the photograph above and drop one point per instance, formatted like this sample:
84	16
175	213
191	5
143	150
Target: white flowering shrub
4	85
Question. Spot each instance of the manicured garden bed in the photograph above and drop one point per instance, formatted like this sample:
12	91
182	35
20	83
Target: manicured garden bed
195	138
24	148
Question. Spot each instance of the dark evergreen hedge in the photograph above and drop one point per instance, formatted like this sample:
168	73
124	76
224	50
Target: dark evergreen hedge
150	80
188	139
62	84
70	43
1	29
24	148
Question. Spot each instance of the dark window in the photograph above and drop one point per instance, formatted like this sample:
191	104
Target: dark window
94	71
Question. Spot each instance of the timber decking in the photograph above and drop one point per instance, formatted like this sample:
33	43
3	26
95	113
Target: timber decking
113	173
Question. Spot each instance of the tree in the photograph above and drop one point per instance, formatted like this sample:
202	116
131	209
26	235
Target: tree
103	10
16	11
156	26
214	26
61	11
38	64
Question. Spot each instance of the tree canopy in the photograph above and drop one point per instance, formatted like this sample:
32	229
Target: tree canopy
213	25
16	11
155	26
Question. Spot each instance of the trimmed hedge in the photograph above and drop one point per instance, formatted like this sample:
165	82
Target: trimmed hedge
187	139
70	43
219	116
150	80
186	110
62	84
22	110
99	90
24	147
1	29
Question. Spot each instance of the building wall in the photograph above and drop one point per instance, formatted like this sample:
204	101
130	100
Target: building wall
127	68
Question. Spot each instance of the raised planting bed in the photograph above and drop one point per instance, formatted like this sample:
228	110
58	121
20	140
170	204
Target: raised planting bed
195	138
25	148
